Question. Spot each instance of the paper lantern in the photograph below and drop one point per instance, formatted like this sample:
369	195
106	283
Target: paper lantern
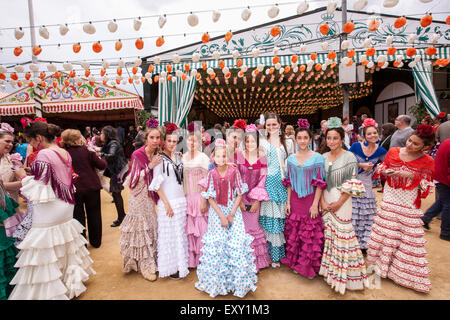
391	51
112	26
313	56
332	55
331	6
390	3
351	54
275	31
192	20
162	21
139	43
349	27
37	50
205	37
18	33
373	24
97	47
431	51
400	22
246	13
87	73
411	51
51	67
370	52
435	37
160	41
19	68
89	28
358	5
324	29
426	20
302	7
216	16
411	38
43	32
137	23
228	36
18	51
273	12
389	40
196	57
119	71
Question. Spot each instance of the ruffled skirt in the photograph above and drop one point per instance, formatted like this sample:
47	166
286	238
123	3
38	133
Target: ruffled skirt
8	254
172	239
196	226
342	265
259	243
364	209
272	219
227	264
53	261
397	246
138	242
25	225
304	237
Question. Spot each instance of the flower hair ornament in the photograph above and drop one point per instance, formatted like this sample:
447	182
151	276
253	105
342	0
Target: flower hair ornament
5	127
192	127
171	127
425	130
334	122
251	128
262	120
240	124
220	143
26	122
152	123
303	123
441	115
369	122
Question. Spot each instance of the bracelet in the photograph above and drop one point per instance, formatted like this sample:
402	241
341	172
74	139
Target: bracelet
23	177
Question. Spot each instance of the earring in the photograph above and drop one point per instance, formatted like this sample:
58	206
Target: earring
279	132
366	143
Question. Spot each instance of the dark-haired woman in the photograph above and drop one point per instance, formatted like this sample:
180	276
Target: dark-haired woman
272	215
168	183
53	262
365	207
117	167
342	265
304	229
397	246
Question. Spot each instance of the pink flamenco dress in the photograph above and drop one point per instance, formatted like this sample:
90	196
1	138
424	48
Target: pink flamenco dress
304	235
53	261
254	175
397	245
194	183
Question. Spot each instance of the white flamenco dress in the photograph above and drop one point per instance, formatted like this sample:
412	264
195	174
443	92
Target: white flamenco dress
53	261
172	236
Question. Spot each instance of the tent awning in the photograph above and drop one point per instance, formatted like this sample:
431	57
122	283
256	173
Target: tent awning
17	109
83	106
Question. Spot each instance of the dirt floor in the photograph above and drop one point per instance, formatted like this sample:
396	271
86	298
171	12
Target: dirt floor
273	284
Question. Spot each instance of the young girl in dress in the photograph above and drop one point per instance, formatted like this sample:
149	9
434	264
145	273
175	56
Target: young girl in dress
8	251
397	246
272	215
54	261
253	170
227	264
195	166
365	207
138	242
168	183
342	264
304	229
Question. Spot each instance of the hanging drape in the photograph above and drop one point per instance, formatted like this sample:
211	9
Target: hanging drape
175	100
425	89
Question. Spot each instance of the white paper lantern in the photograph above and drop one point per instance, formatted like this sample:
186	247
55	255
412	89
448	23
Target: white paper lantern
400	65
246	13
435	37
295	69
390	3
19	68
309	68
157	60
359	5
89	28
260	67
196	57
324	46
137	23
162	21
278	66
276	50
302	7
216	16
363	57
67	66
244	68
267	71
345	44
281	70
210	71
225	70
121	63
43	32
194	72
367	43
112	26
3	69
331	6
33	67
370	64
63	29
389	40
235	54
303	48
345	60
255	52
18	33
148	75
85	65
273	12
137	62
51	67
192	20
381	58
176	58
216	55
178	73
106	79
12	83
412	64
324	67
105	64
150	81
411	38
163	74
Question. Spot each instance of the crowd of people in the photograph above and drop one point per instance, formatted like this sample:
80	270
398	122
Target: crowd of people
224	202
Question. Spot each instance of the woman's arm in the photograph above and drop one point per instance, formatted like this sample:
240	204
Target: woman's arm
234	209
314	210
288	203
12	186
335	206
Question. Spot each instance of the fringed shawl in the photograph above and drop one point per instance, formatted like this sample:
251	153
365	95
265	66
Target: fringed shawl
304	177
51	167
221	184
423	169
343	168
139	164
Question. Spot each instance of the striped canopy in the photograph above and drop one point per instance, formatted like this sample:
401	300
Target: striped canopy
425	89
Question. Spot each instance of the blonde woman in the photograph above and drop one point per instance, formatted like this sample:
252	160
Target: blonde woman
88	186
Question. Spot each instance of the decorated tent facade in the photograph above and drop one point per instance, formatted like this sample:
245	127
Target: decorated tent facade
289	66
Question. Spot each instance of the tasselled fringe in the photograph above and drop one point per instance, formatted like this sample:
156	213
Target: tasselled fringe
335	177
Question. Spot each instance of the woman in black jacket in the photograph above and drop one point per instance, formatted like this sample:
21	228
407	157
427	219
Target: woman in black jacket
117	168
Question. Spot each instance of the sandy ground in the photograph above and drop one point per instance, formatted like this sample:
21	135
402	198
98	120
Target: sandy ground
273	284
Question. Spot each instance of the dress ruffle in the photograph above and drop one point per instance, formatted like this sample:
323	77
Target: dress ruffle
8	254
227	264
53	263
364	209
259	243
36	191
196	226
138	242
259	194
172	239
13	222
304	239
342	265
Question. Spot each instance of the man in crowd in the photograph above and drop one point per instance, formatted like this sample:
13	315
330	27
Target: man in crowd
404	130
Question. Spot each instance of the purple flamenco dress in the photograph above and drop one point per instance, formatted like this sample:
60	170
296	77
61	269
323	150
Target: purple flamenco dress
254	175
304	235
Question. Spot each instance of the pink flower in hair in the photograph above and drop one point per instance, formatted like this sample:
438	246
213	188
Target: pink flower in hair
370	122
16	159
303	123
251	128
6	127
220	143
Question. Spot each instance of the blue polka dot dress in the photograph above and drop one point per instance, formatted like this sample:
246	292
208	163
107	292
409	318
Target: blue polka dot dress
227	261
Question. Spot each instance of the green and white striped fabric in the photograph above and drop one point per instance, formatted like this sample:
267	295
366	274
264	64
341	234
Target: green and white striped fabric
425	89
175	100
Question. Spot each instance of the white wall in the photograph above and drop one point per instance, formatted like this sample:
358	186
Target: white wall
390	93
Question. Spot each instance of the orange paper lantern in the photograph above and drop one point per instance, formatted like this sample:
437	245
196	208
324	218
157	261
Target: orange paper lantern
134	70
399	22
159	41
204	65
57	75
332	55
313	56
130	80
119	71
139	44
294	58
302	68
19	84
351	53
391	51
87	73
349	27
72	74
410	51
2	76
76	47
37	50
151	68
102	72
187	67
431	51
97	47
169	68
27	76
426	20
324	29
118	45
18	51
239	63
221	64
228	36
43	84
374	24
370	52
275	31
205	37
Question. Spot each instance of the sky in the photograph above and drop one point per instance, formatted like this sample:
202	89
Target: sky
49	12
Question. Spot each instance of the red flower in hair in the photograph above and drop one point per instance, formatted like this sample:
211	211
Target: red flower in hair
192	126
370	122
441	115
240	124
425	130
40	119
171	127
